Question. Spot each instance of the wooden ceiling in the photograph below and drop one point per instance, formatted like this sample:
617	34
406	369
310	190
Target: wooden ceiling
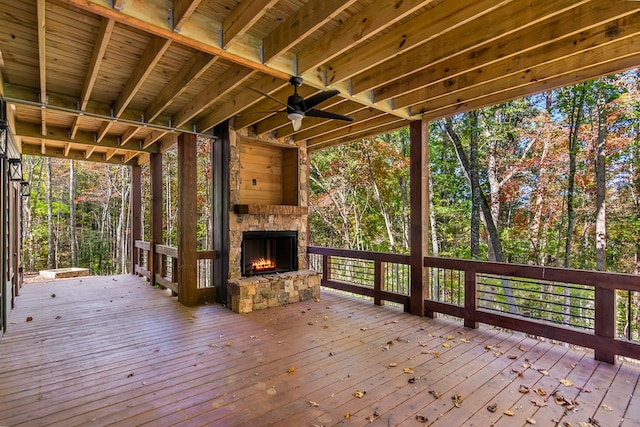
115	80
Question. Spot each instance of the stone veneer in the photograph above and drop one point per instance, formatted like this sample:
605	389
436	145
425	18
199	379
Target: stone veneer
271	290
268	218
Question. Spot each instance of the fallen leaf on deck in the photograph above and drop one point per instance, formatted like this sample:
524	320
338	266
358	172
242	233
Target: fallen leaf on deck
423	344
509	412
58	317
388	345
430	334
446	345
331	353
314	404
326	317
436	354
566	382
523	389
130	375
498	353
526	365
53	295
326	326
29	319
359	394
393	365
412	380
543	372
450	337
421	419
512	356
310	323
373	417
347	415
531	421
584	390
607	408
408	371
585	424
539	403
435	394
488	347
363	329
493	407
540	392
457	400
292	369
228	344
521	348
464	340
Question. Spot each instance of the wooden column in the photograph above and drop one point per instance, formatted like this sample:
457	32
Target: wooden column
187	220
220	163
136	215
419	180
155	237
605	322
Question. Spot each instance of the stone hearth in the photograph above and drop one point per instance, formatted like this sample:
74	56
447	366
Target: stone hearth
271	290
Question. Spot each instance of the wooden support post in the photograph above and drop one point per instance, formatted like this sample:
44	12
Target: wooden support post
136	215
605	322
155	170
419	180
378	278
220	152
470	298
187	215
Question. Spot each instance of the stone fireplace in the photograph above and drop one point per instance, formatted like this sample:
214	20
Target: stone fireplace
268	196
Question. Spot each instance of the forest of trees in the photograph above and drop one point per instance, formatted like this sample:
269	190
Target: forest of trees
552	179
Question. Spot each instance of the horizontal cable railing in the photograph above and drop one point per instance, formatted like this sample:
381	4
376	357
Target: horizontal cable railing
381	276
593	309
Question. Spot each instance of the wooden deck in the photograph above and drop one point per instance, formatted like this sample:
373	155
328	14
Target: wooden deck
114	351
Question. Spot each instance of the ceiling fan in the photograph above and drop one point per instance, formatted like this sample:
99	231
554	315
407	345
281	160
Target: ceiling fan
298	107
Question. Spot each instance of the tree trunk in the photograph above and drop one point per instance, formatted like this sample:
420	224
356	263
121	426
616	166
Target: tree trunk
435	250
475	186
72	212
601	180
383	210
51	256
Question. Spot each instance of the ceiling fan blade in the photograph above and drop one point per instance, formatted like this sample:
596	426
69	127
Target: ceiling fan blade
316	99
267	95
327	115
297	124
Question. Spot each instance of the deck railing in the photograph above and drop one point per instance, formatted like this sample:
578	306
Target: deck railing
593	309
381	276
167	257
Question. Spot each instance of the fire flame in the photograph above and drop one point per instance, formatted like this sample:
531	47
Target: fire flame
263	264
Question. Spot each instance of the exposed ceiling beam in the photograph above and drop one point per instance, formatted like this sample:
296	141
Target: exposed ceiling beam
42	60
89	151
58	135
192	70
298	26
73	154
152	54
569	24
182	10
103	130
368	22
241	101
232	78
359	131
128	134
109	154
152	138
584	70
389	127
331	126
404	37
523	64
242	17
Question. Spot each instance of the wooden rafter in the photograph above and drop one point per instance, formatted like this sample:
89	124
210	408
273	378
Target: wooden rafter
232	78
404	37
156	48
89	151
303	22
182	10
242	17
507	20
42	57
100	47
73	154
152	138
244	100
128	134
192	70
368	22
365	115
375	129
103	130
109	154
491	58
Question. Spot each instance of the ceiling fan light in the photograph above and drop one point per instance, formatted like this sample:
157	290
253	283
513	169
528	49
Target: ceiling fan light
294	116
297	124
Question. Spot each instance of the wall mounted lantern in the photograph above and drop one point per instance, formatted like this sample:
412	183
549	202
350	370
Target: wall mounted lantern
15	169
25	188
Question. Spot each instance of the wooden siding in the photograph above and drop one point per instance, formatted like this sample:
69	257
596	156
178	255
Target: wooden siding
115	351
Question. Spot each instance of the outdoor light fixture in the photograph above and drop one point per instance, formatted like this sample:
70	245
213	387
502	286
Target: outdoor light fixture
25	188
15	169
4	139
296	119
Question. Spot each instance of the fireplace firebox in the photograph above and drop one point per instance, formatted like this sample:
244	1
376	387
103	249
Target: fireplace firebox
265	252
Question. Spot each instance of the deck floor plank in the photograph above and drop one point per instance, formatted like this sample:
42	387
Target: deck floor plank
114	351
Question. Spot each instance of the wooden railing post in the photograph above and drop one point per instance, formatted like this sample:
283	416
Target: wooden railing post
187	265
605	321
470	298
378	274
326	268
